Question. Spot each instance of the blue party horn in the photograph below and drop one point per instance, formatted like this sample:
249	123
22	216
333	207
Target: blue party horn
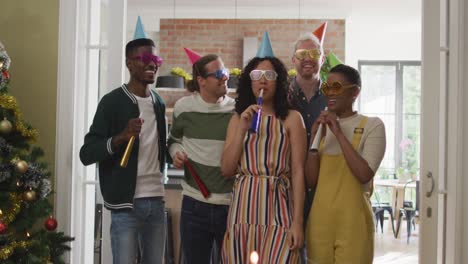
257	115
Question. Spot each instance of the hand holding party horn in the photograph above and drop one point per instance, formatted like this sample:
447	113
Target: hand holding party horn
257	115
128	151
318	136
197	179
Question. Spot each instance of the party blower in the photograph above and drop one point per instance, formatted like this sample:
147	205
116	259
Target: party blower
257	115
318	136
197	179
128	150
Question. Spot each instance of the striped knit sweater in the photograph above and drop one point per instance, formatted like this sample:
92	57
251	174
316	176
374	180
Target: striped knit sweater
199	129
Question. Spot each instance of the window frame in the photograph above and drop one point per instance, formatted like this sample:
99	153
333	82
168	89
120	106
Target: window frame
399	119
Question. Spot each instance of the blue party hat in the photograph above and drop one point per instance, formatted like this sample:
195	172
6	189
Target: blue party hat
265	49
139	30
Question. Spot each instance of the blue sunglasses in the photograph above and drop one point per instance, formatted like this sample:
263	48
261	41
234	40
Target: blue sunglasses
219	74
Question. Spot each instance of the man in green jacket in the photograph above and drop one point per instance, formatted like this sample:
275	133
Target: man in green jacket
134	193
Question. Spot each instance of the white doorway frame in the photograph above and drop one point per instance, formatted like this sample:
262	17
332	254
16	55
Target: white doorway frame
456	107
75	184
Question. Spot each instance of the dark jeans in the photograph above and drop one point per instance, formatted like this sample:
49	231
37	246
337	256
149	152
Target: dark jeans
309	198
201	226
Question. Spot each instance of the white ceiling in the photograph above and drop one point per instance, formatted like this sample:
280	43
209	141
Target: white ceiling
245	8
407	11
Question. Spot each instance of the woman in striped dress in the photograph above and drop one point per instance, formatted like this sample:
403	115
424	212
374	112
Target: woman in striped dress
265	215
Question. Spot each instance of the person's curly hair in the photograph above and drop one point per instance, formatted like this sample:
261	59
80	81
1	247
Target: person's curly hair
246	97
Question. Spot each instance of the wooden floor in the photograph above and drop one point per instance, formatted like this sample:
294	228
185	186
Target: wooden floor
390	250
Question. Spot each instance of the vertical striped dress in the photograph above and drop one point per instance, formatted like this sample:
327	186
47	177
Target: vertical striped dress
260	213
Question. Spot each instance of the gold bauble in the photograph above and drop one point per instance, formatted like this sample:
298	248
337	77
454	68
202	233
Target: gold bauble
21	166
1	63
30	195
5	126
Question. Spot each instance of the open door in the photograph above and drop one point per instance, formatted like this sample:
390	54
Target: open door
441	132
433	94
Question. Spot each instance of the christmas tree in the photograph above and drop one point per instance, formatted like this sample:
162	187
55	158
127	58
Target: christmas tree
27	226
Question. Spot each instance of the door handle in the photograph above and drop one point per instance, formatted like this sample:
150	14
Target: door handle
430	177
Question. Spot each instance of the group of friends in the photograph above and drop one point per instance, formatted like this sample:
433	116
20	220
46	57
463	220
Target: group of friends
269	194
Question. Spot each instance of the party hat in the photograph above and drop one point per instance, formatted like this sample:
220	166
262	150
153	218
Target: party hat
192	55
265	49
139	30
330	61
320	32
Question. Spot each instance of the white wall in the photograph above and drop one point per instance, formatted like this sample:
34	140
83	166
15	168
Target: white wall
384	30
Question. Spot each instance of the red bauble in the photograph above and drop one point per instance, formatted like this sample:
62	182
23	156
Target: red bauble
6	75
3	228
50	224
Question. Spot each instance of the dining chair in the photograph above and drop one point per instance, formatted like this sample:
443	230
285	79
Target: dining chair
379	209
409	211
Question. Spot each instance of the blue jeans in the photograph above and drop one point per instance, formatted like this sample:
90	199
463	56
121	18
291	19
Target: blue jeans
202	225
139	230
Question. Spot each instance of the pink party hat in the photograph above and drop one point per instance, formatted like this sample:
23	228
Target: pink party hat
192	55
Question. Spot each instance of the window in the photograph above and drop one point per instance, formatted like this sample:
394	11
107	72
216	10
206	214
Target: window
391	90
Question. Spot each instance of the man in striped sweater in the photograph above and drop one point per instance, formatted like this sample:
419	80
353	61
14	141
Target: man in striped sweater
197	137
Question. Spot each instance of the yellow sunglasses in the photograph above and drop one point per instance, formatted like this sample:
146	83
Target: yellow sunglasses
336	88
301	54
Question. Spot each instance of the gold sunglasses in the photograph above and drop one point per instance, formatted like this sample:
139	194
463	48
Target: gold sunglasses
313	54
336	88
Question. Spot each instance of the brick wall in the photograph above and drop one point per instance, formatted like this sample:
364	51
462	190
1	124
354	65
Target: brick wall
225	37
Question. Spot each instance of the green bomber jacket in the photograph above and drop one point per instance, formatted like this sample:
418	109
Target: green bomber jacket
111	117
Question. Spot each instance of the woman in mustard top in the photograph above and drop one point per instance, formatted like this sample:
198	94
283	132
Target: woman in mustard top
340	227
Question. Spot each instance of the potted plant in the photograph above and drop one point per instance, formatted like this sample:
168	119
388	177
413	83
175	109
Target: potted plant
292	74
177	79
234	77
178	71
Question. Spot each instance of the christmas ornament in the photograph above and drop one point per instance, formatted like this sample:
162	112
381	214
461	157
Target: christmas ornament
21	166
50	223
15	206
9	103
7	251
30	196
4	60
5	126
4	65
3	228
6	75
